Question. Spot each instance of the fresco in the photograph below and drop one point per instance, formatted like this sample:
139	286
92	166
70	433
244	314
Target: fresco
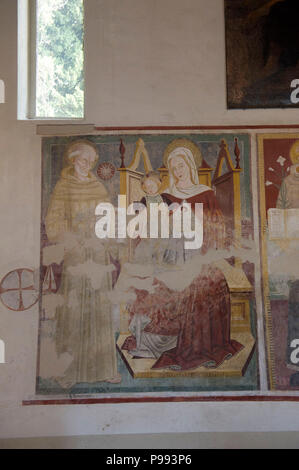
279	192
141	315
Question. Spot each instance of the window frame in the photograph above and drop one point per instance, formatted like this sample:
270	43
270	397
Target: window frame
27	65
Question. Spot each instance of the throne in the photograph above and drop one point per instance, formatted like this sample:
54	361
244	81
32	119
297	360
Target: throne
227	186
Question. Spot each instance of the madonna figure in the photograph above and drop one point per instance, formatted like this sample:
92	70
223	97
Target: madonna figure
184	187
185	329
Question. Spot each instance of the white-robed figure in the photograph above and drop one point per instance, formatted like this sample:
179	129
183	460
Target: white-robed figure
83	322
288	197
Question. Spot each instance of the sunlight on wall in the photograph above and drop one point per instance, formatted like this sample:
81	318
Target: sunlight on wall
2	92
2	352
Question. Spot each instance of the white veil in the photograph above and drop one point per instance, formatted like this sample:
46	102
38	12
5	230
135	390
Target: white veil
193	190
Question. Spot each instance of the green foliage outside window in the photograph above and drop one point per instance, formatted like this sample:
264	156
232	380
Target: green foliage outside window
59	78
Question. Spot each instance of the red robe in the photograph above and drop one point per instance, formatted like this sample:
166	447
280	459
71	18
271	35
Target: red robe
200	314
214	232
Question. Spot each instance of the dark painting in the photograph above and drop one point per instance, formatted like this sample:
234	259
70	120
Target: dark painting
262	49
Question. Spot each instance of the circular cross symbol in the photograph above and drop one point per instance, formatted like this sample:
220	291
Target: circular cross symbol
17	290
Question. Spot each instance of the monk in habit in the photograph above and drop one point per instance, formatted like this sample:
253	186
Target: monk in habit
83	322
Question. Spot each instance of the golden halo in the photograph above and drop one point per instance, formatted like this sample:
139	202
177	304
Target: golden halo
186	143
73	145
294	152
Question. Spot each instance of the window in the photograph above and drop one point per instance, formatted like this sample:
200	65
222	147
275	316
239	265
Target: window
51	71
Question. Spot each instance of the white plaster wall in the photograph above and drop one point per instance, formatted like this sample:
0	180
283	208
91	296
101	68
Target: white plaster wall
148	62
162	62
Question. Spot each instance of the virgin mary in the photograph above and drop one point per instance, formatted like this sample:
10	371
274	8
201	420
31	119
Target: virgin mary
184	186
184	329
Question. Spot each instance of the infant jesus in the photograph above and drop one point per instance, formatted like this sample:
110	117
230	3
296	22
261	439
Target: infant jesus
150	249
158	250
151	184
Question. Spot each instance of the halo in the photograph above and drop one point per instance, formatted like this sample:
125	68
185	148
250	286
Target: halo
106	171
294	152
73	144
188	144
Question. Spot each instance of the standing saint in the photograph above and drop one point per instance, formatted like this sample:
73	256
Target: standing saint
83	322
288	197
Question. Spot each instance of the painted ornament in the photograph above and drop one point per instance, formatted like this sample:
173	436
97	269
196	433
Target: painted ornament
18	291
106	171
